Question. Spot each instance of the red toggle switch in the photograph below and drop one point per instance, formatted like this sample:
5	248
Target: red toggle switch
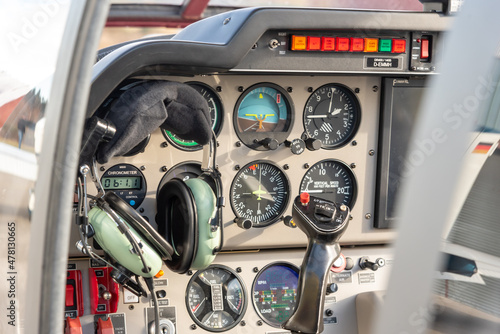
73	326
424	49
70	290
104	295
105	326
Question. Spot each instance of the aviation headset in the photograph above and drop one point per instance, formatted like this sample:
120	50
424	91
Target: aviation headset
189	214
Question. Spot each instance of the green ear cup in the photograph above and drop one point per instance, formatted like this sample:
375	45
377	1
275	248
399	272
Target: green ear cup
206	208
117	245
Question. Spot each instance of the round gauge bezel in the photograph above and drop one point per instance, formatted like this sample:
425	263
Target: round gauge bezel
140	193
286	200
168	174
196	147
254	140
243	287
346	168
357	115
272	264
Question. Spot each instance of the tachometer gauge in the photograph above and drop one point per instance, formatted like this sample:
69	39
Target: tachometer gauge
275	292
216	298
332	180
260	192
216	112
332	115
263	116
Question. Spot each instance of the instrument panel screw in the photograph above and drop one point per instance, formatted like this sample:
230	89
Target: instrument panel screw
433	68
353	165
237	167
259	323
218	88
243	323
142	167
371	153
164	168
240	89
375	89
368	216
164	144
193	327
131	307
190	272
238	270
218	144
354	143
255	269
356	90
227	20
254	46
289	89
351	217
102	168
141	210
309	89
343	207
238	144
306	165
413	68
286	167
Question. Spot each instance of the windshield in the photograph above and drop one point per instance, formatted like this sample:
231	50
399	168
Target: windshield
30	39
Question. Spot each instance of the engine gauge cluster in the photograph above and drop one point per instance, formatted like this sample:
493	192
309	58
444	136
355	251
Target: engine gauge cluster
216	298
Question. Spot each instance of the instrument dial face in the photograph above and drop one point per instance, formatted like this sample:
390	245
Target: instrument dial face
263	112
216	112
216	298
275	293
332	115
332	180
260	192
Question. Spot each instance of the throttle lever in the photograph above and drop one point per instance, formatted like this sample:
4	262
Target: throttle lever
323	222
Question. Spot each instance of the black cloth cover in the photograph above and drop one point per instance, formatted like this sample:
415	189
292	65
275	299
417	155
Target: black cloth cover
143	108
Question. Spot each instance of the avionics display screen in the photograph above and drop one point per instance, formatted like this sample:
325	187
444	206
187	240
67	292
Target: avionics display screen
401	102
121	182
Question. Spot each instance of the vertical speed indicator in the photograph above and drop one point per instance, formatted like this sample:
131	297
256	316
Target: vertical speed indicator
332	115
332	180
260	192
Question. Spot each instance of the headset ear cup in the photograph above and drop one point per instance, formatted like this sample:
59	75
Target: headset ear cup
208	240
176	219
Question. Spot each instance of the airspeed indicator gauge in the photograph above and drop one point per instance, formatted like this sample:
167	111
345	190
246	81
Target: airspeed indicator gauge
260	192
332	115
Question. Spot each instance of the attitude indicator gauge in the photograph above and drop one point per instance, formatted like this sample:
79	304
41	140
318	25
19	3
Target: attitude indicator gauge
332	180
216	298
260	192
263	116
332	115
216	112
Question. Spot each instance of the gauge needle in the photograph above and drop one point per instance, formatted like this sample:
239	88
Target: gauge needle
317	116
198	306
230	303
205	280
331	100
259	191
211	315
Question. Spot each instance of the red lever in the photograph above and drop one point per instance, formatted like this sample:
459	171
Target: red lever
73	326
105	326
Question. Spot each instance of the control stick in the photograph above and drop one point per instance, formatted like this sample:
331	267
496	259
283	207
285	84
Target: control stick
323	222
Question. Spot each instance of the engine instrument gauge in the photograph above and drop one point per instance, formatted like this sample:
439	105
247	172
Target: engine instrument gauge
216	298
260	192
332	180
275	292
216	112
332	114
263	114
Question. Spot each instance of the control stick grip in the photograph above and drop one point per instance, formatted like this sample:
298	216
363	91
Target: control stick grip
312	287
